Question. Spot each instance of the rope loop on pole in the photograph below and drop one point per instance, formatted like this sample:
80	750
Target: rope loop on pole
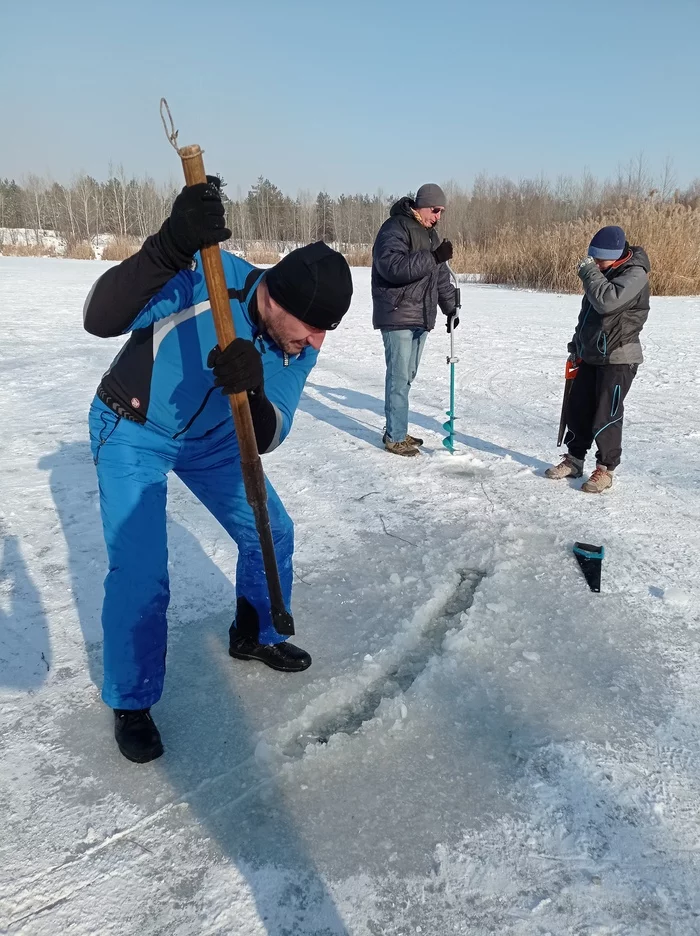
171	133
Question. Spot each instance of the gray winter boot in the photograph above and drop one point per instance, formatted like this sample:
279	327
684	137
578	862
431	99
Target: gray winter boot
568	467
599	481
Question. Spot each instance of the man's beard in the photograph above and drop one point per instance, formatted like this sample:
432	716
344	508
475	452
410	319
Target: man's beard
284	344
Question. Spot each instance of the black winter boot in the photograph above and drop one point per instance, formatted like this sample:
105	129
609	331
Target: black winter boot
137	735
281	656
244	643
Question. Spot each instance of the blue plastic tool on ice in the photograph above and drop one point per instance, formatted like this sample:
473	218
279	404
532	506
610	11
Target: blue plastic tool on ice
590	558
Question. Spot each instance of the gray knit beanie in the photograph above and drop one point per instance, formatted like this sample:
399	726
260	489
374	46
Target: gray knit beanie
430	195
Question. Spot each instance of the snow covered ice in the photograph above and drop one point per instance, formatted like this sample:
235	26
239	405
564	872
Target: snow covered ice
482	745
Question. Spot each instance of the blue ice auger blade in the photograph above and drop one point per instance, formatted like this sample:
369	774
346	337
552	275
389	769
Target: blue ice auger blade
449	426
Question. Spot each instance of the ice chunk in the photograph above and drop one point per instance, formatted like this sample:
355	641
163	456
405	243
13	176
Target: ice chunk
675	596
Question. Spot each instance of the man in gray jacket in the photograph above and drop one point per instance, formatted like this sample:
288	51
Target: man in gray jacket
606	345
410	278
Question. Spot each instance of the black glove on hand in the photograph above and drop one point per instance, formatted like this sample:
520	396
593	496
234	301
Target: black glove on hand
237	368
443	252
197	219
451	317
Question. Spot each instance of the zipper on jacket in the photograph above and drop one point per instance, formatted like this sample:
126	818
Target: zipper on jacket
204	403
430	280
263	350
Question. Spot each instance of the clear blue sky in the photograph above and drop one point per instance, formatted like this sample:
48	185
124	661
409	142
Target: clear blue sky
352	96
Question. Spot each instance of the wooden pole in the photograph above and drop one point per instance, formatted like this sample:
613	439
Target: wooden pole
251	466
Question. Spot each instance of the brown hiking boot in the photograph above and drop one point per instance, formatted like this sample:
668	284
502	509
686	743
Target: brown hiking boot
412	440
568	467
599	481
401	448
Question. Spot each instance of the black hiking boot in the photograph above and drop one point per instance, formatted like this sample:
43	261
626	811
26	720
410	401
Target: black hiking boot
137	735
282	656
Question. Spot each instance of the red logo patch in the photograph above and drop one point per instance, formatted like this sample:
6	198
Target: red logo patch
135	402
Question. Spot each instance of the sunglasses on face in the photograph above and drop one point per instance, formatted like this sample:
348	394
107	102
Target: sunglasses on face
437	210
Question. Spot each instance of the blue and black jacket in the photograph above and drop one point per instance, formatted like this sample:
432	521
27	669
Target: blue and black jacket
160	377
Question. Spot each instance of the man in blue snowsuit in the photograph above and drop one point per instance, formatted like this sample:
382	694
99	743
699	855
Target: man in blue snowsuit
158	409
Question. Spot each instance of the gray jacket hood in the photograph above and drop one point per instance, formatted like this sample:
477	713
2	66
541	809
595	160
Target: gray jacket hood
404	206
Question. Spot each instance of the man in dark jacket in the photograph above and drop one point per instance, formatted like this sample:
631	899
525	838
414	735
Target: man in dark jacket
410	278
606	345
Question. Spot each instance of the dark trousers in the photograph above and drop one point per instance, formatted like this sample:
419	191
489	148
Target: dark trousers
596	409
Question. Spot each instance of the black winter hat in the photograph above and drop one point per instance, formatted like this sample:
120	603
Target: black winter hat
313	284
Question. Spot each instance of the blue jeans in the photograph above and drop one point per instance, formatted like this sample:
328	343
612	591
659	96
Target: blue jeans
132	463
402	350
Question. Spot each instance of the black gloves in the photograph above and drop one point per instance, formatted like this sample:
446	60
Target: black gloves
197	219
443	252
237	368
451	317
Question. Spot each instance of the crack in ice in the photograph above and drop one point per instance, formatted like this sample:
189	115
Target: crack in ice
400	677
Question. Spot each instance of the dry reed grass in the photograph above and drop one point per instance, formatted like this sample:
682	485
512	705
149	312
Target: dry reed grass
466	259
27	250
257	255
670	234
359	257
121	248
79	250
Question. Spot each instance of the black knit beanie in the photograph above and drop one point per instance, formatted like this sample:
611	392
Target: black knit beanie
313	284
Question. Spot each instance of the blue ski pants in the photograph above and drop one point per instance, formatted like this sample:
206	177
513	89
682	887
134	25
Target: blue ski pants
132	463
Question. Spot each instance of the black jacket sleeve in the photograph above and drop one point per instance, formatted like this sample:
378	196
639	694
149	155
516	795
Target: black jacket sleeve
394	260
267	421
119	294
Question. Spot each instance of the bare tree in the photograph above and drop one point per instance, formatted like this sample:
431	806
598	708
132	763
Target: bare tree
34	189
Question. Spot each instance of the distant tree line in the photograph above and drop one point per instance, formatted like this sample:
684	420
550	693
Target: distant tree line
131	208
